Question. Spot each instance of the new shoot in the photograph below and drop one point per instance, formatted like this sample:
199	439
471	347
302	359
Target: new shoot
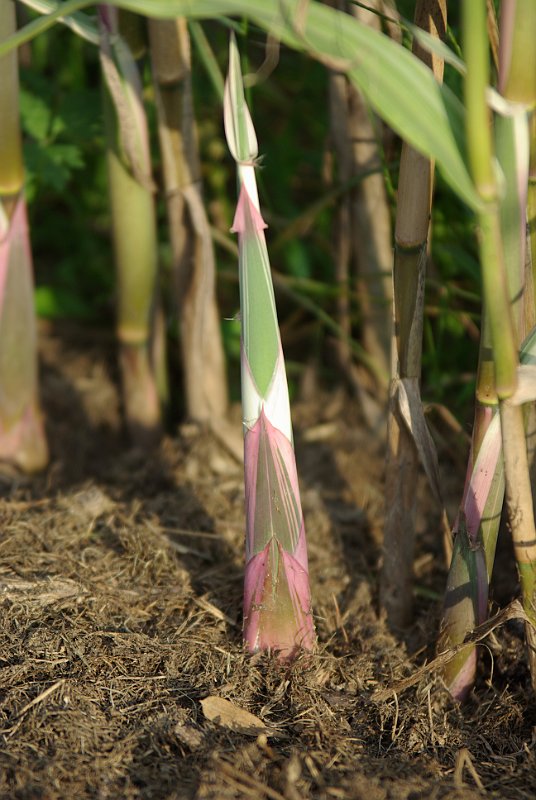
277	601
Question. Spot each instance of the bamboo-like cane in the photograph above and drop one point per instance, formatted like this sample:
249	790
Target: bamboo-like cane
503	333
193	253
133	227
530	283
517	83
529	297
411	236
475	529
478	523
371	222
364	238
531	198
22	436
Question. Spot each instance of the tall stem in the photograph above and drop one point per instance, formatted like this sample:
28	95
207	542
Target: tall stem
133	228
193	253
22	437
531	199
411	236
475	529
518	491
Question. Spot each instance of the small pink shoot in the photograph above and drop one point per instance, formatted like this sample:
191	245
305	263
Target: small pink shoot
277	601
22	436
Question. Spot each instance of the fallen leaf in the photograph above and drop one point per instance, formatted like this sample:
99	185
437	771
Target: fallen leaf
188	734
228	715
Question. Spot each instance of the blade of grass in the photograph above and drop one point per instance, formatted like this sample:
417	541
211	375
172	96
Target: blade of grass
80	23
206	54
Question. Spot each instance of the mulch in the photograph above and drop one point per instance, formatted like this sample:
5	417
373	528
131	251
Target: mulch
120	604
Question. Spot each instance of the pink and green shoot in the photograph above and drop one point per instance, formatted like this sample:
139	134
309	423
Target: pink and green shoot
277	602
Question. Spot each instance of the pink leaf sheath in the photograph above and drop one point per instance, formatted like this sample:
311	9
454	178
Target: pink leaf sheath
465	677
273	507
479	479
15	235
277	601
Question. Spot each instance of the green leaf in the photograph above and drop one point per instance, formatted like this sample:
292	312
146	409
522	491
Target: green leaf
396	84
78	116
35	115
207	57
437	47
260	330
239	128
84	26
60	303
52	166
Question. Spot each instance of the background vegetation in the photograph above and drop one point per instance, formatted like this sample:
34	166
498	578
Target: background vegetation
70	223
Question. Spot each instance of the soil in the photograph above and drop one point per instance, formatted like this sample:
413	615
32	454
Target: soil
120	603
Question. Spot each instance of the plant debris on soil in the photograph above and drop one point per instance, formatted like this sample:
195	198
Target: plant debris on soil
122	670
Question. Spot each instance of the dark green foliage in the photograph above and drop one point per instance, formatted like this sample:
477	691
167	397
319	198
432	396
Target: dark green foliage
65	178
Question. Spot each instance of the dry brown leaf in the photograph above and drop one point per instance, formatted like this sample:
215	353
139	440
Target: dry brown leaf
38	592
228	715
512	611
412	412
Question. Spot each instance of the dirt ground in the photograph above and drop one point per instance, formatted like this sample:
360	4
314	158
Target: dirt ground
120	602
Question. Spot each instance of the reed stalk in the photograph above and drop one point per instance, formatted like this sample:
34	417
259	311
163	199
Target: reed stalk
497	299
411	237
22	436
475	528
371	220
478	521
531	195
133	227
364	237
338	110
517	83
191	242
